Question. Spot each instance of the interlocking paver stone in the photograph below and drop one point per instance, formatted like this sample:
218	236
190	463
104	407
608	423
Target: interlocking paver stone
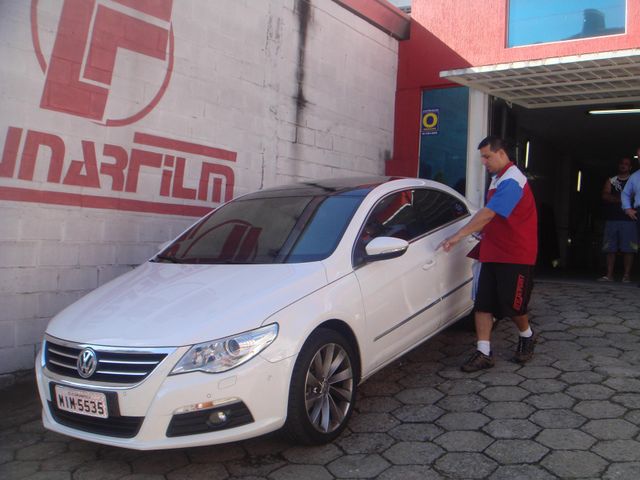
462	403
528	472
569	464
254	465
629	400
62	476
611	429
319	455
416	432
462	421
68	461
539	372
413	453
464	441
296	472
465	465
41	451
504	394
419	396
565	439
551	400
618	450
599	409
358	466
18	469
413	472
511	428
365	443
622	471
516	451
545	385
160	462
508	410
493	378
377	404
102	470
460	387
199	470
582	377
624	384
557	418
418	413
372	422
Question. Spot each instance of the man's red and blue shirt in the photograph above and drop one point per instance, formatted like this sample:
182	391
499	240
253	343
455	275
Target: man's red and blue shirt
512	235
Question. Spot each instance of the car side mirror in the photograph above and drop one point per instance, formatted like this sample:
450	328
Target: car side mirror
384	248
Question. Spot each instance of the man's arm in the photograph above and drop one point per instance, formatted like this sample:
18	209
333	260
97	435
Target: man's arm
625	197
476	224
607	196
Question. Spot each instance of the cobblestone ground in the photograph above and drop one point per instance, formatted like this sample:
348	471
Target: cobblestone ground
573	412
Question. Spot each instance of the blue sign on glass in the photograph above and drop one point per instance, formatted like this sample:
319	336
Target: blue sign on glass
430	121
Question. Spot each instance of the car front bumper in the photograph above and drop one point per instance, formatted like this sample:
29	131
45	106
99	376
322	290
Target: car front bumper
259	385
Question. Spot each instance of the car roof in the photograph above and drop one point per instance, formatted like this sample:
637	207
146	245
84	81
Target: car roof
351	186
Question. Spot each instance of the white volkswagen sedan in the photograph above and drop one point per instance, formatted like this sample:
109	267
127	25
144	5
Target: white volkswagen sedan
266	314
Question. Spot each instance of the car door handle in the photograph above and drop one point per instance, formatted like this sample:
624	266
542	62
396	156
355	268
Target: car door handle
430	263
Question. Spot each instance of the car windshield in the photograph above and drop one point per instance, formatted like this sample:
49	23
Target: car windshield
283	229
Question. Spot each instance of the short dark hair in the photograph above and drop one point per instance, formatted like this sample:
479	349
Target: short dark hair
495	143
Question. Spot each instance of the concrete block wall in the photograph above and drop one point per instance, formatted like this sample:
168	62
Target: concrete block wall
272	91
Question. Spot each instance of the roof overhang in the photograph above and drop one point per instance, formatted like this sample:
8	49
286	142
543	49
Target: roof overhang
382	14
595	78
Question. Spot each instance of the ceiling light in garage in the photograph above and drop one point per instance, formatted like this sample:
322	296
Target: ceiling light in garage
615	111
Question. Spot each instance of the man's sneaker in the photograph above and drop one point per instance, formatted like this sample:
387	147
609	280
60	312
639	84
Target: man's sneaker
524	351
478	361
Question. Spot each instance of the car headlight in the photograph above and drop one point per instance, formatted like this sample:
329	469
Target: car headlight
226	353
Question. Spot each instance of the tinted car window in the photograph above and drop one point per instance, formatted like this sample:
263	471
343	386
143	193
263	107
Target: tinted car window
282	229
435	208
408	215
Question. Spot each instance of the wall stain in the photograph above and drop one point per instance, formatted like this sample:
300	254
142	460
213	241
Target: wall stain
302	9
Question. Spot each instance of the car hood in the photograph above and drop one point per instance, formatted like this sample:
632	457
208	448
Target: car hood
163	304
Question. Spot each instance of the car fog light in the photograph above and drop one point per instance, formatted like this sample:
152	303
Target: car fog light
218	417
196	407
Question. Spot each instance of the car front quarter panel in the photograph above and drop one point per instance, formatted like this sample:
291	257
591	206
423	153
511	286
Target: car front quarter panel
340	300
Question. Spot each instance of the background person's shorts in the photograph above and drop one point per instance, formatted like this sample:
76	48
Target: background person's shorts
620	236
504	289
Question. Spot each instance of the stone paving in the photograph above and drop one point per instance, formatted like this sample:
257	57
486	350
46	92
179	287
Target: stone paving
573	412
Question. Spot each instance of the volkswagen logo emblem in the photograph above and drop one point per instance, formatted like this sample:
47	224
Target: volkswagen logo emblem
87	362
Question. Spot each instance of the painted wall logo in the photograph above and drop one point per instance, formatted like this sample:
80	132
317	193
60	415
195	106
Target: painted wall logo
109	61
98	49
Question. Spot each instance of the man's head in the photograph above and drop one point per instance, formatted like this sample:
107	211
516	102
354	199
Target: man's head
624	166
493	153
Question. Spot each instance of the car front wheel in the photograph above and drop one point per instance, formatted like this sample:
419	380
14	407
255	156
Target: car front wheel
323	389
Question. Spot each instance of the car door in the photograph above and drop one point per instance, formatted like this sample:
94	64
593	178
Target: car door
442	214
401	296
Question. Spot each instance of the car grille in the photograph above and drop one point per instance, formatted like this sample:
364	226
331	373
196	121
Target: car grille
123	427
114	366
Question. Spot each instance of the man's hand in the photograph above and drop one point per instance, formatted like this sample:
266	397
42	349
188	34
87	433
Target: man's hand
631	212
448	243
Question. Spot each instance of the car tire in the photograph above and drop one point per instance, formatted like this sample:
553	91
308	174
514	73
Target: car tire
323	389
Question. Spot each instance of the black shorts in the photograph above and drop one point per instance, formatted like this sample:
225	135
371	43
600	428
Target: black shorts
504	289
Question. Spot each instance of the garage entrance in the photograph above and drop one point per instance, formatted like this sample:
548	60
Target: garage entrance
567	152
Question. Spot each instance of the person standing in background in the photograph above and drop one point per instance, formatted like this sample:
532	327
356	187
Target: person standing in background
631	198
620	233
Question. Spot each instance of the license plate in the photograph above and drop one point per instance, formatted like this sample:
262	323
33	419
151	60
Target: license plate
83	402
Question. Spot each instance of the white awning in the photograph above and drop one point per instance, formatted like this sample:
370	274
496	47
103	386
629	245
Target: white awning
607	77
